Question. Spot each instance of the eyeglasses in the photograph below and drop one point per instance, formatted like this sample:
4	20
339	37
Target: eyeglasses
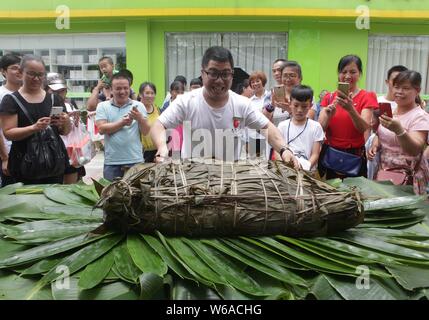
35	75
290	75
215	74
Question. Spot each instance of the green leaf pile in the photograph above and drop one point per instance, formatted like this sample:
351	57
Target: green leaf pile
52	247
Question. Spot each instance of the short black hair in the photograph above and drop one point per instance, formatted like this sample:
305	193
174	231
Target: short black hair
241	86
219	54
128	74
196	81
414	77
302	93
279	60
346	60
109	59
147	84
8	60
119	75
182	79
293	64
177	85
397	68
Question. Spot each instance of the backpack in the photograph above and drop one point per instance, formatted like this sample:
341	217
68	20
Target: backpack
45	155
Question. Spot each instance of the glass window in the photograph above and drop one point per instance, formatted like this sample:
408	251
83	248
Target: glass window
73	55
385	51
251	51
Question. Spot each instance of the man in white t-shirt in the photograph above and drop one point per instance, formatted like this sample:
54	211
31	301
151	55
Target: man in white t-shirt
389	98
213	114
303	135
10	69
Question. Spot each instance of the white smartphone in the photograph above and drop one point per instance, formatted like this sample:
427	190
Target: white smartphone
56	111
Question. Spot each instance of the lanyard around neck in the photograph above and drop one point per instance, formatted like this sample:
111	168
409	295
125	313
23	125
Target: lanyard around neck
288	128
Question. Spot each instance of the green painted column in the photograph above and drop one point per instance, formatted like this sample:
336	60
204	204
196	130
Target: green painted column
336	41
158	59
137	35
303	47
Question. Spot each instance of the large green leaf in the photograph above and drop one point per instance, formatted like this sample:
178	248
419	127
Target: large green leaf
226	268
9	248
86	191
387	248
62	194
388	204
371	188
10	189
189	269
14	287
190	290
124	264
96	271
195	263
78	260
167	257
410	277
272	270
144	257
112	291
47	250
43	266
152	286
47	230
377	289
23	203
307	259
323	290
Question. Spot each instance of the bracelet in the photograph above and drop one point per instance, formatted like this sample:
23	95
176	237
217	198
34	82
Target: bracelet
402	133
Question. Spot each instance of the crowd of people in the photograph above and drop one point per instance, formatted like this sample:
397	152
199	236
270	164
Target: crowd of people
348	132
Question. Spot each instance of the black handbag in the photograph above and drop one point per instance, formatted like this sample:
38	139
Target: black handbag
45	155
342	162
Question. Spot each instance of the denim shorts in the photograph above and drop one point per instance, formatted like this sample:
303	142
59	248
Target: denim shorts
110	172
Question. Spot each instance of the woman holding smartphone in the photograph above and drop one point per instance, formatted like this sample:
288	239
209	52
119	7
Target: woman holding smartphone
38	104
401	139
346	119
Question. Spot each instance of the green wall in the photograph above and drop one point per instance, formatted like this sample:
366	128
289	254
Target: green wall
118	4
317	45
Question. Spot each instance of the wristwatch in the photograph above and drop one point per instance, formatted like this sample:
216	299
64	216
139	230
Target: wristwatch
283	149
270	108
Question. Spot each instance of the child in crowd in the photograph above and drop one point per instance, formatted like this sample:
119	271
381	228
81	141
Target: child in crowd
102	91
176	88
195	84
304	136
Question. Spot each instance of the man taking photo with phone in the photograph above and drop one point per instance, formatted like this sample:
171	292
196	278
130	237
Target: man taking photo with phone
122	121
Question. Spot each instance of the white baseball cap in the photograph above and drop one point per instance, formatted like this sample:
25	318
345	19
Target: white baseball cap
55	81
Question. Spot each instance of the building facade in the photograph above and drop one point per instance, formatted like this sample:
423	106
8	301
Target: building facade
160	39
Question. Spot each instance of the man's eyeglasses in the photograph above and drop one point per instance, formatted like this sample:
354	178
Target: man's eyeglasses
290	75
35	75
214	74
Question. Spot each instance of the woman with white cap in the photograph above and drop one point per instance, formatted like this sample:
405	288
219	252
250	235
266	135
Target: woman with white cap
55	83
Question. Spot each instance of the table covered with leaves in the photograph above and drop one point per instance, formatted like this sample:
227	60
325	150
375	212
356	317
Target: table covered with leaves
46	228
